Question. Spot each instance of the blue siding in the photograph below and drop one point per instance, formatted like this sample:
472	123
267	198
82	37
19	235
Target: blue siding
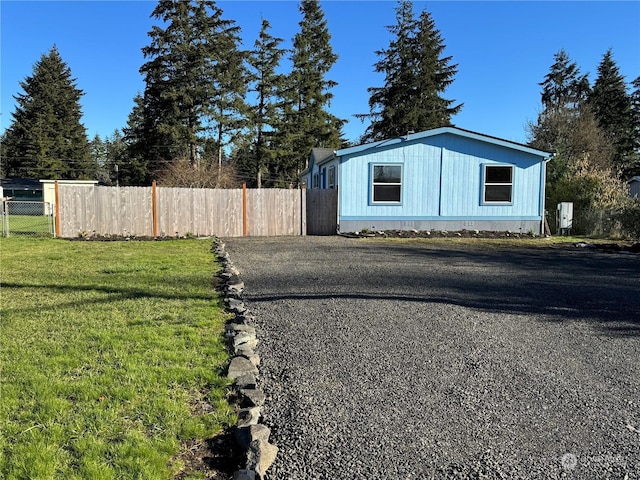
442	178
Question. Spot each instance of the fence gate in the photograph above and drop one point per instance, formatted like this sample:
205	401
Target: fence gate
29	219
322	211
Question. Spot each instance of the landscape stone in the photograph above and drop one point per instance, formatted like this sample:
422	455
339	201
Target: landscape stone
261	456
248	416
240	366
252	397
238	327
245	435
247	380
253	358
245	339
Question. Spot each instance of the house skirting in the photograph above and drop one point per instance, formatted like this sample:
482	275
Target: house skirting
523	225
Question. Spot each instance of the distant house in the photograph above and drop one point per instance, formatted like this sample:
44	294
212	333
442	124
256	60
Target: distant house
634	187
32	190
444	179
21	189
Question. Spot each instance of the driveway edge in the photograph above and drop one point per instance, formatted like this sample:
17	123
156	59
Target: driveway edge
250	435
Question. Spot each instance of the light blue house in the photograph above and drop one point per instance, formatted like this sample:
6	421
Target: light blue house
634	187
443	179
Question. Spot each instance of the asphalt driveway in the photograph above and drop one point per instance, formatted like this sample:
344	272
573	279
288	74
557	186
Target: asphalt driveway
390	360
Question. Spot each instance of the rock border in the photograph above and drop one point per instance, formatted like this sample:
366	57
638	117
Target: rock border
250	434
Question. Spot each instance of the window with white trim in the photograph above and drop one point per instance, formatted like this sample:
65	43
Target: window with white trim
386	183
332	177
498	184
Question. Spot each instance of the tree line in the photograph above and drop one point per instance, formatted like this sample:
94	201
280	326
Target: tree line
594	133
215	115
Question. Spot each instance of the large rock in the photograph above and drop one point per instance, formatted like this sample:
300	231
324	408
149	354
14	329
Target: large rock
252	397
248	416
239	327
245	339
241	366
261	456
248	380
246	435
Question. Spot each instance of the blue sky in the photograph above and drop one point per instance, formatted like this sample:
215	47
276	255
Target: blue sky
503	50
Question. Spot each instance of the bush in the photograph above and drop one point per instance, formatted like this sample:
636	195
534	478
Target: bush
629	218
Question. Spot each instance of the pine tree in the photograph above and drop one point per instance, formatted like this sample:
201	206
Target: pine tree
611	105
194	80
564	108
416	74
267	84
564	87
46	139
633	168
135	167
580	171
305	120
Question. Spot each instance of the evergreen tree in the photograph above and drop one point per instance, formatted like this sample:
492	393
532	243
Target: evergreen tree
611	106
194	81
98	149
633	167
135	167
305	121
580	172
46	139
416	74
564	107
267	84
564	87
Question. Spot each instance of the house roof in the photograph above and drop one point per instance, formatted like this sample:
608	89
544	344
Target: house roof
634	179
20	184
321	154
445	130
318	157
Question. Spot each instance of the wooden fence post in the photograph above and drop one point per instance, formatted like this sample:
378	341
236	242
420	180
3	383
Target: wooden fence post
244	210
154	208
57	212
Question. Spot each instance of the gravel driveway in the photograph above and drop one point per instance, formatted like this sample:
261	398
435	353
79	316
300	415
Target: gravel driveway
390	360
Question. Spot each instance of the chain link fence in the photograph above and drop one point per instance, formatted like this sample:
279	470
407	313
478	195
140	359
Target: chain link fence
28	219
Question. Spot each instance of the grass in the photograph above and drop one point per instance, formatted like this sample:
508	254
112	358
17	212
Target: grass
500	242
39	225
111	358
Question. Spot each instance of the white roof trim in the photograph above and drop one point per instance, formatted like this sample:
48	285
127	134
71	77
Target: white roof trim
443	130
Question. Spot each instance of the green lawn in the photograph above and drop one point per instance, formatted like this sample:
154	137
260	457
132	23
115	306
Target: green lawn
111	357
36	225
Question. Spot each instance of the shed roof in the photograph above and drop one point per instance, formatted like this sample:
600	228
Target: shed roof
446	130
634	179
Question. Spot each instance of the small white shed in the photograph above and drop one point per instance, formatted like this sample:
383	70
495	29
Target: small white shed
49	191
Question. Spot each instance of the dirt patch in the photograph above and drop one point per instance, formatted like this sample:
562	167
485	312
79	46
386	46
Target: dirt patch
216	458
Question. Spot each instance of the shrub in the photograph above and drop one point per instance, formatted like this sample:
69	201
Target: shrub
629	218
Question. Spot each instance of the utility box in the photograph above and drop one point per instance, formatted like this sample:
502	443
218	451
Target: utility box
565	218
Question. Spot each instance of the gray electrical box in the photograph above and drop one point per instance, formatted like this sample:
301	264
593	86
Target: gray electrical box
565	218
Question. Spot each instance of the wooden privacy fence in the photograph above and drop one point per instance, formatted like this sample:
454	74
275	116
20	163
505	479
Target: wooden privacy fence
159	211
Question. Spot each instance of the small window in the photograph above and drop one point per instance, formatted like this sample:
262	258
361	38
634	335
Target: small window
316	183
332	177
386	186
498	184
